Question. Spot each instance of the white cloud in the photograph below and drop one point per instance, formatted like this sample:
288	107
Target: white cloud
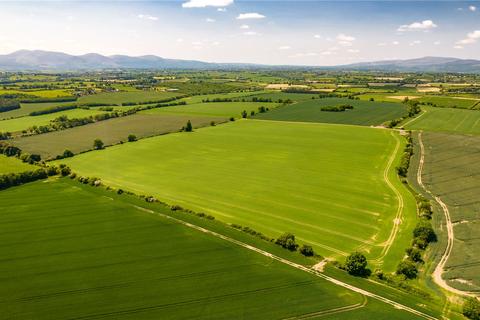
284	48
414	43
437	43
472	8
179	40
425	25
345	40
147	17
250	15
245	26
471	38
210	20
353	50
222	9
206	3
457	47
251	33
317	36
395	43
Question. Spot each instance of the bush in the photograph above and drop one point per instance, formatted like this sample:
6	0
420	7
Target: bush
408	269
340	108
414	254
356	265
132	138
244	114
307	250
471	308
188	127
98	144
424	231
67	153
287	241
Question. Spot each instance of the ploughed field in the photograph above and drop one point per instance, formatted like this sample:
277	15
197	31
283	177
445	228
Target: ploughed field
452	172
74	251
324	183
363	112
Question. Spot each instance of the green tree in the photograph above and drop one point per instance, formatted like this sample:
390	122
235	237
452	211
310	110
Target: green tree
424	230
188	127
67	153
414	254
287	240
471	308
307	250
98	144
356	264
244	114
408	269
132	137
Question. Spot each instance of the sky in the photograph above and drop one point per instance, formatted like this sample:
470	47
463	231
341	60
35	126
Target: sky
267	32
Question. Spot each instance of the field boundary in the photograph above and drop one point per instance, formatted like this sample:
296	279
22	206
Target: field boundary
424	111
312	271
439	269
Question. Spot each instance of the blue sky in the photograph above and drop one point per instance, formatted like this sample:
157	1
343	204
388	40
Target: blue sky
270	32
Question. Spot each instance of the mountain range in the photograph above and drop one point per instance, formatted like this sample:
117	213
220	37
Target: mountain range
38	60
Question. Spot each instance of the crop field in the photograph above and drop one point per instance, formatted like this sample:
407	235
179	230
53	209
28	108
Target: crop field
110	131
13	165
296	97
23	123
220	109
275	177
363	113
446	120
39	93
450	102
26	108
123	97
75	251
230	95
452	172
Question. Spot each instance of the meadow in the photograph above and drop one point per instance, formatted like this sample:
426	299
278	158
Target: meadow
126	97
23	123
13	165
219	109
452	171
76	251
446	120
275	177
364	112
111	131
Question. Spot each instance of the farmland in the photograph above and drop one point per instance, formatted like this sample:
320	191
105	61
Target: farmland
363	112
74	251
13	165
26	108
451	171
230	157
127	97
446	120
110	131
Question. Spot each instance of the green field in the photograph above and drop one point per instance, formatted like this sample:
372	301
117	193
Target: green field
297	97
450	102
111	131
363	113
123	97
23	123
220	109
452	171
446	120
26	108
75	251
231	95
274	177
13	165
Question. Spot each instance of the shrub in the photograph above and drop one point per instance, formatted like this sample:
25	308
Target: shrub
307	250
98	144
244	114
188	127
356	265
414	254
287	241
67	153
471	308
132	137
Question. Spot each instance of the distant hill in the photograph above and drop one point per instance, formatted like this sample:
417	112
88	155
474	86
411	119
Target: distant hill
425	64
38	60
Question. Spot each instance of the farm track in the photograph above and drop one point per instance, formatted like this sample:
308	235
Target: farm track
439	269
331	311
414	119
335	281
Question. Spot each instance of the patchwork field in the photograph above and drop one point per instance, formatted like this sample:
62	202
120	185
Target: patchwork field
275	177
78	252
363	113
23	123
13	165
220	109
446	120
452	172
123	97
111	131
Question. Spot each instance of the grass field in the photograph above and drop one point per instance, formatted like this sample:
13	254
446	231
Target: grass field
231	95
363	113
297	97
22	123
40	93
122	97
75	251
449	102
274	177
13	165
452	171
26	108
220	109
446	120
110	131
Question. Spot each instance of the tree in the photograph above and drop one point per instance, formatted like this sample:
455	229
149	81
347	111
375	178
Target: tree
244	114
98	144
408	269
471	308
307	250
67	153
132	137
414	254
356	264
287	240
424	231
188	127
